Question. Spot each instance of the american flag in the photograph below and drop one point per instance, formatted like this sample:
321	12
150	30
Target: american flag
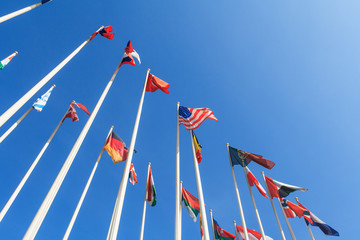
192	118
132	175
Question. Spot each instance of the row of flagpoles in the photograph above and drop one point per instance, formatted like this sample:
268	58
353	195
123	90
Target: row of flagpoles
191	118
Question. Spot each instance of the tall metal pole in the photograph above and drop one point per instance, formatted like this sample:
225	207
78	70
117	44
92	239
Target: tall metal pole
2	138
115	220
28	173
255	208
14	108
236	232
144	207
19	12
77	209
177	179
212	223
238	197
45	206
273	207
200	191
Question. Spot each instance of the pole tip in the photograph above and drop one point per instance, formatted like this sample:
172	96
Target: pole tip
296	198
177	102
181	182
112	126
149	163
148	70
73	101
16	52
227	144
54	85
210	210
234	221
262	172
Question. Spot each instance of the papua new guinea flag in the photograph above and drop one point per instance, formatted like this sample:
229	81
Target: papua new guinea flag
239	157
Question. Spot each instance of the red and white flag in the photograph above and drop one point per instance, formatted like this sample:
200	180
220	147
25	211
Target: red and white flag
253	181
192	118
150	189
253	235
132	175
72	111
154	83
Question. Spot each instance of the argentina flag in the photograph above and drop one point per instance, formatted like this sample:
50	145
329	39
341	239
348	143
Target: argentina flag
41	102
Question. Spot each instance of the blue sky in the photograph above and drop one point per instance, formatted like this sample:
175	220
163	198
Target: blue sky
281	77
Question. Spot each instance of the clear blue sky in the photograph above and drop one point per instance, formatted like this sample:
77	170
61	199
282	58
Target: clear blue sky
281	77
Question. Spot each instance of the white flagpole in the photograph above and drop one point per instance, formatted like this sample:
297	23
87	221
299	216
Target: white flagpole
144	207
200	192
19	12
255	208
287	221
212	223
76	212
273	207
27	175
236	232
2	138
14	108
180	211
44	208
238	197
115	220
307	225
177	180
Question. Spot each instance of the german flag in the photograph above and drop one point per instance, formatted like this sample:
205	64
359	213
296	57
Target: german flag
116	148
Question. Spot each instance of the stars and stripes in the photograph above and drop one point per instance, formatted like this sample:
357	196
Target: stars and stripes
192	118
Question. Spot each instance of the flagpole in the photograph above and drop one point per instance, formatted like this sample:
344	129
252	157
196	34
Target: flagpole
238	197
144	207
212	223
307	225
19	12
44	208
2	138
180	210
115	221
236	232
255	208
177	179
273	207
200	191
76	212
14	108
27	175
287	221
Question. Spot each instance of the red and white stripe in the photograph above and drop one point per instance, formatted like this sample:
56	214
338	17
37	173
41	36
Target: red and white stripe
197	117
253	181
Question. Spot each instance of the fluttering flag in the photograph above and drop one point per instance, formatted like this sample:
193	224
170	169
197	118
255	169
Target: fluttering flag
191	204
239	157
281	190
150	189
253	235
116	148
105	32
154	83
197	147
132	175
129	54
192	118
41	102
253	181
221	233
292	210
326	229
4	62
72	114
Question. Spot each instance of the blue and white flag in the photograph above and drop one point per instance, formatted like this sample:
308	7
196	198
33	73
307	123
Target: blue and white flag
41	102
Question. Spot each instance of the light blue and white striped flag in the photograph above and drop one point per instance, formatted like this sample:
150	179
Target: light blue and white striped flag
41	102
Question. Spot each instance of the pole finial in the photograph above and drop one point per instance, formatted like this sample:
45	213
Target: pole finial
112	126
210	210
234	221
149	163
296	198
16	52
148	70
181	182
262	172
73	101
227	144
54	85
